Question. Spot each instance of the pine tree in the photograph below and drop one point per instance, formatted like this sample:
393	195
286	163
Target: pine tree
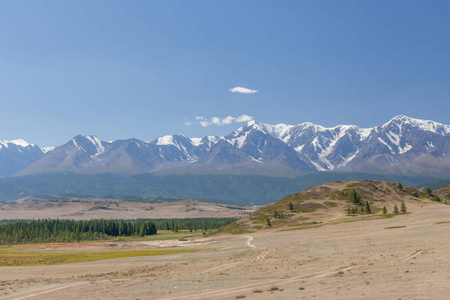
291	206
403	207
349	211
355	197
384	210
275	214
400	185
368	210
396	209
429	191
268	221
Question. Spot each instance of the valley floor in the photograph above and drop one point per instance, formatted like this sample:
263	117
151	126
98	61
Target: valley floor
403	257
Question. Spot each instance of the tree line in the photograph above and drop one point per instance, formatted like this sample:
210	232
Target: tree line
48	230
56	230
191	224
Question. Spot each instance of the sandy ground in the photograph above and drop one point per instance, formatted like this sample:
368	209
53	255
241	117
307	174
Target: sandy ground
119	210
356	260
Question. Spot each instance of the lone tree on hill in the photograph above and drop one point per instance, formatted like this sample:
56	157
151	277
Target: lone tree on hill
368	210
355	197
400	185
436	198
291	206
268	221
384	210
403	207
429	191
396	209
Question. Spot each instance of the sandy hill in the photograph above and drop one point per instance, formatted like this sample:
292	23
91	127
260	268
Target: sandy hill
104	208
443	193
335	202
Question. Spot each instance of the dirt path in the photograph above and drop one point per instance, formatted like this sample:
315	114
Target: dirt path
248	243
42	290
265	285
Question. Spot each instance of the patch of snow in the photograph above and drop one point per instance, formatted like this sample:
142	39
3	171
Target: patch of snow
404	149
212	140
78	146
394	138
430	145
384	143
348	159
364	133
97	143
318	167
19	142
48	149
254	159
316	144
239	141
299	148
196	141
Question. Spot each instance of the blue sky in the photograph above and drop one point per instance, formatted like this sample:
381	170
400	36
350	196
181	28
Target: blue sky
143	69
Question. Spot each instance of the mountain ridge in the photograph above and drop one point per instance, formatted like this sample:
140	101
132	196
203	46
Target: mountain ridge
402	145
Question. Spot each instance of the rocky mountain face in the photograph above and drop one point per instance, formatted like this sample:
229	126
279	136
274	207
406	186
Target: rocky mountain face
402	145
17	155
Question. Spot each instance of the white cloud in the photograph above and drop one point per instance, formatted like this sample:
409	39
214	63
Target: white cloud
242	90
205	122
215	121
244	118
228	120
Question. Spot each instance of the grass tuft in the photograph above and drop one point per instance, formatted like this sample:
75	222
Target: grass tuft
22	258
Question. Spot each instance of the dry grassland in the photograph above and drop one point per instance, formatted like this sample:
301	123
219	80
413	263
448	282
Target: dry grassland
406	256
107	209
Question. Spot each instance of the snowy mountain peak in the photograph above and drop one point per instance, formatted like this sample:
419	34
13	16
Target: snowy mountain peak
239	136
280	131
401	121
18	142
89	144
309	125
253	125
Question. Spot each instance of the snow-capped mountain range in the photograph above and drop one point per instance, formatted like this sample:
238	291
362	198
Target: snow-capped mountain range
403	144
